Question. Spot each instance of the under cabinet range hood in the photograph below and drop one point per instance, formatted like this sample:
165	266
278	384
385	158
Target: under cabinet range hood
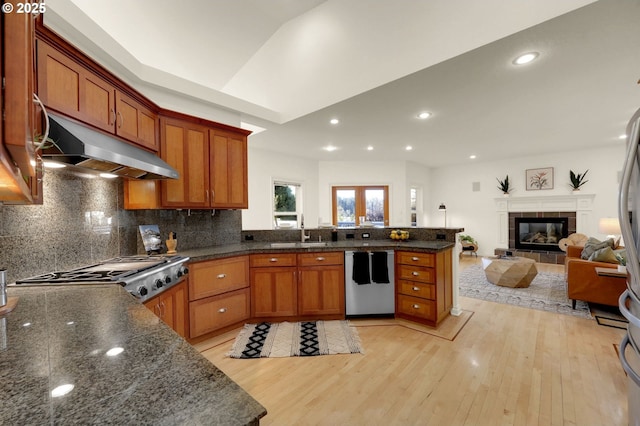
83	147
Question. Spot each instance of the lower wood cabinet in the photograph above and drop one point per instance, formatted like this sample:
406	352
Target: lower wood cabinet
219	294
424	291
302	286
171	307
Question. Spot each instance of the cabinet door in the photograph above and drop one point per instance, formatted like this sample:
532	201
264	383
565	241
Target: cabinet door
185	147
171	308
273	292
321	291
67	87
228	164
135	122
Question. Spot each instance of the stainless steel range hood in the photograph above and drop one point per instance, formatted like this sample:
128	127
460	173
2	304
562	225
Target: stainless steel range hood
83	147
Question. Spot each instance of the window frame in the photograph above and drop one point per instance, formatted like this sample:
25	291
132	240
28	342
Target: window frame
298	196
360	201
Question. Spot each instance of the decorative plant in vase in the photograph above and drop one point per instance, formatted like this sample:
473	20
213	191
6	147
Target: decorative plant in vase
577	180
504	185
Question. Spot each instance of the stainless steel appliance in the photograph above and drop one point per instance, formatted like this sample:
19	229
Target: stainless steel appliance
629	215
374	299
142	276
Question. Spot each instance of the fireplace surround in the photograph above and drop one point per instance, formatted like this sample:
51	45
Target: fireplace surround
577	208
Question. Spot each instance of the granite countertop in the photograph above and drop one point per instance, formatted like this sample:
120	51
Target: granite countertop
61	334
252	247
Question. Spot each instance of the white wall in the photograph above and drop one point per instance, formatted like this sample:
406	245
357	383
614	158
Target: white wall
476	211
264	168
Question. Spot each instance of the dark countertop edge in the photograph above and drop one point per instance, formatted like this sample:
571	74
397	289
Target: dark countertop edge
247	248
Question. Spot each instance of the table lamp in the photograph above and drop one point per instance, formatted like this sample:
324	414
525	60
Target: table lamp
611	227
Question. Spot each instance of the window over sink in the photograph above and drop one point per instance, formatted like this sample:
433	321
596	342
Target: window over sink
287	204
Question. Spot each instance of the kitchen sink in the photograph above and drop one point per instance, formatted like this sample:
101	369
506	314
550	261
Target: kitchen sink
318	244
298	245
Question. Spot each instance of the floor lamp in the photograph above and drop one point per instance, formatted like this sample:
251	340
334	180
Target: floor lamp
443	208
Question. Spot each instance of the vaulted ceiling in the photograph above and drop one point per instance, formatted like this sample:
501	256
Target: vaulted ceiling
290	66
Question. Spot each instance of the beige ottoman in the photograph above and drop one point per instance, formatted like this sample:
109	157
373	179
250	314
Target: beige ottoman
512	271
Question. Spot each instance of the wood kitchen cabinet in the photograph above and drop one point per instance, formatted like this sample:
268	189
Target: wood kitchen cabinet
424	291
171	307
273	285
70	87
219	294
321	284
297	287
20	169
212	164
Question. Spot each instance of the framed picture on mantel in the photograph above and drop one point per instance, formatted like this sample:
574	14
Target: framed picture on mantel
538	179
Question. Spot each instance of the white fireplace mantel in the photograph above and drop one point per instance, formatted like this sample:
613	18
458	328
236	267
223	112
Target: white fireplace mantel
582	204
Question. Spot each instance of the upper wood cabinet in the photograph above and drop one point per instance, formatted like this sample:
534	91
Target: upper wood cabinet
212	164
67	86
228	169
20	170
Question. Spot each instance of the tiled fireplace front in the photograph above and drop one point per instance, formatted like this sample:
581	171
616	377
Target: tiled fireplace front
576	208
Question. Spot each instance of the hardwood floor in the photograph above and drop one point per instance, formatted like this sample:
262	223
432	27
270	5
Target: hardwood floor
508	366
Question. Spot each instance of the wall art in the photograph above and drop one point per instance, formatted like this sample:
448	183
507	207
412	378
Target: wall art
538	179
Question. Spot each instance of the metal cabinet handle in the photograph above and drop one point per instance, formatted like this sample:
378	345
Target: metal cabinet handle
113	112
273	259
222	310
416	289
415	258
416	306
220	276
415	274
319	258
162	310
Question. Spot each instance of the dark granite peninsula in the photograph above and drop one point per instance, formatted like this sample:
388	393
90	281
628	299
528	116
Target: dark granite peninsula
116	361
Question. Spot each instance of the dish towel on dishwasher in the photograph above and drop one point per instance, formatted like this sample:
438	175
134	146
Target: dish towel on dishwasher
361	267
379	270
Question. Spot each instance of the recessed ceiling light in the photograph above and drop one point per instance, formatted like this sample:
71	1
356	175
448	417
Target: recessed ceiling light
369	148
473	157
525	58
334	121
330	148
622	137
53	165
424	115
409	148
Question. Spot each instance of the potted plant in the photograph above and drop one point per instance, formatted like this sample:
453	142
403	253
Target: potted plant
577	180
504	185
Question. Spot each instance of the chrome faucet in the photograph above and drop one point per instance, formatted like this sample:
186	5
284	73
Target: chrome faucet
303	237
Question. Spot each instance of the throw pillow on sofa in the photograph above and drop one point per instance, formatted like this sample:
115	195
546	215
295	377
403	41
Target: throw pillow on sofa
594	244
605	254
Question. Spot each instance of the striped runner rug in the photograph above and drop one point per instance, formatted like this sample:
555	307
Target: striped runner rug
285	339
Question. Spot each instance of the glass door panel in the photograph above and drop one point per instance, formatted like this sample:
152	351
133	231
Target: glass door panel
346	207
374	202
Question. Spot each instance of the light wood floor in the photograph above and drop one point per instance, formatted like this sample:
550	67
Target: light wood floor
508	366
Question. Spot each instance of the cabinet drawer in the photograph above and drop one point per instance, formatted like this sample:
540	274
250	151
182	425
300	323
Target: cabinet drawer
416	273
420	259
321	258
216	312
416	289
215	277
272	259
416	307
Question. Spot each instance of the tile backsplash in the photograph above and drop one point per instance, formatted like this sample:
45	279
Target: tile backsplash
82	221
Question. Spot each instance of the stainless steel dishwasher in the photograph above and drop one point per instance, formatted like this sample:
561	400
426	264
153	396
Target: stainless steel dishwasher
373	298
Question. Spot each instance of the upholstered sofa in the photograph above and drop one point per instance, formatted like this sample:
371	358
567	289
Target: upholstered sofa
584	284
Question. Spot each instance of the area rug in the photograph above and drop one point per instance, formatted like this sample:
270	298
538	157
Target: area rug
547	292
286	339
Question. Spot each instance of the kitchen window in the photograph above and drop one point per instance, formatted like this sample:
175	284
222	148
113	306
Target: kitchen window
287	204
360	205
